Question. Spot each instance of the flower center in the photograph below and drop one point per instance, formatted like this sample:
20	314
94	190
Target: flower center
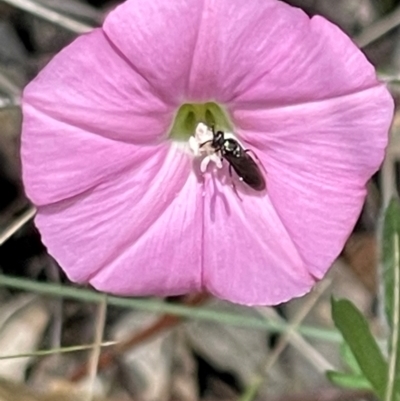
190	115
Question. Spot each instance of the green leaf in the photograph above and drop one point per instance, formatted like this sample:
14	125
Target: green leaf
391	278
355	330
353	379
349	358
348	380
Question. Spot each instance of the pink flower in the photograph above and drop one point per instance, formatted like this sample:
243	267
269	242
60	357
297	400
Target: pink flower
121	201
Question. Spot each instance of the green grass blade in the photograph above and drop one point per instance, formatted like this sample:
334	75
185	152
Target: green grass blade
158	306
62	350
391	279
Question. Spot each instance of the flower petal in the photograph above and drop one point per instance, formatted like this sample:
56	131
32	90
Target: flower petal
318	157
159	38
138	233
268	53
249	257
264	53
61	161
115	204
91	85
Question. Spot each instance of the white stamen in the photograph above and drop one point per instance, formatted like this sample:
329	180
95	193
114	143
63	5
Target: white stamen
200	148
194	146
213	157
203	133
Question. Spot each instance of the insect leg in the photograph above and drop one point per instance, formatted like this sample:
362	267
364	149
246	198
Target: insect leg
205	143
253	153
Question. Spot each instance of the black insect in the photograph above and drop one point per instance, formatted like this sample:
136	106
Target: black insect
239	159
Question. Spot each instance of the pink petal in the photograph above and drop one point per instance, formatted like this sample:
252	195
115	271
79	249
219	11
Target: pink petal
268	53
121	210
249	256
61	161
318	157
158	38
91	85
137	233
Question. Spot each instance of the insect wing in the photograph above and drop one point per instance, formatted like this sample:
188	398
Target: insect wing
248	170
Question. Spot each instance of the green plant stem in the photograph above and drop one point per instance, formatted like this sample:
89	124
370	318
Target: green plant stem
151	305
391	394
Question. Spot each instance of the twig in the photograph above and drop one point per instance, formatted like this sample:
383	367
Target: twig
17	224
53	272
296	339
378	29
50	15
163	323
13	94
262	376
9	102
94	360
